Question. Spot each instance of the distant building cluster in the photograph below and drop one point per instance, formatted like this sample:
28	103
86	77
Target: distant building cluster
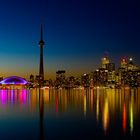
127	75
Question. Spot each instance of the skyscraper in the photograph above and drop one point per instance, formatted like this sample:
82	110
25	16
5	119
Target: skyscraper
124	63
41	67
105	61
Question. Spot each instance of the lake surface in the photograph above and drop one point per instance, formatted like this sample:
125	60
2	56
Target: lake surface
70	114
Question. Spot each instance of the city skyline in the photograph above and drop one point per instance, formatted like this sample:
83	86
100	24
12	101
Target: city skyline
76	34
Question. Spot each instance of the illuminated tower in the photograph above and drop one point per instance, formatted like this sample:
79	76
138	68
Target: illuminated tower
124	63
41	67
131	65
105	61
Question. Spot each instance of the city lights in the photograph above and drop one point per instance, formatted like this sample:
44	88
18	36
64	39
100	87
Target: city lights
69	70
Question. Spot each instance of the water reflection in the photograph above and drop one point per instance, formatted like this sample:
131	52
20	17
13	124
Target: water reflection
106	115
131	113
14	96
124	117
41	113
109	108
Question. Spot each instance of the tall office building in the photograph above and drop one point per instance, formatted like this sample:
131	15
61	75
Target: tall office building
110	66
105	61
124	63
111	72
60	78
60	75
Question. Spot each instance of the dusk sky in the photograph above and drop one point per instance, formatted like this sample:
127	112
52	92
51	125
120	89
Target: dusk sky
77	33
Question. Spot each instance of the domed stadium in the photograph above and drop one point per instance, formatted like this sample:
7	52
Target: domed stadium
14	80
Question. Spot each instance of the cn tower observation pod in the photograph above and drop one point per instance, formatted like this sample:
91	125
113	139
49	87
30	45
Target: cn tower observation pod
14	80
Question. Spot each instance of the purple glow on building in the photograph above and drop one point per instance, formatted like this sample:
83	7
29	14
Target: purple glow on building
14	80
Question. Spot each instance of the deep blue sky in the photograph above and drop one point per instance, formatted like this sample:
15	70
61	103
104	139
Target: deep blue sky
76	33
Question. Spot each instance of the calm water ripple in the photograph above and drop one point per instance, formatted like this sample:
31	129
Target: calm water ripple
70	114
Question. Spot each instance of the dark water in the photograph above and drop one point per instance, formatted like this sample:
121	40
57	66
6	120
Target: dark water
70	114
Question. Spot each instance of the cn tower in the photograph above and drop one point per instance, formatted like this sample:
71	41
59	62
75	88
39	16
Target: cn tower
41	67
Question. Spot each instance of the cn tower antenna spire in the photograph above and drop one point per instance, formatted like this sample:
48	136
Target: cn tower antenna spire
41	39
41	32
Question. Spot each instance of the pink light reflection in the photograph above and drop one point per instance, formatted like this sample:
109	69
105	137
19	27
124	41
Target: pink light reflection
3	97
